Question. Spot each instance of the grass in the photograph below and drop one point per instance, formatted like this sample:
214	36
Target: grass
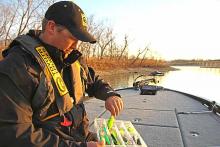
114	63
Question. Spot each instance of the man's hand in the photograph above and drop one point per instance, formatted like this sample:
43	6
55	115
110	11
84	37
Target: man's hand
114	104
96	144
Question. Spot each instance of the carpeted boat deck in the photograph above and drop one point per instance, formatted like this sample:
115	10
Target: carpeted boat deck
168	119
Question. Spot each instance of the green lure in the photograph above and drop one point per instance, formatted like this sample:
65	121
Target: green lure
111	122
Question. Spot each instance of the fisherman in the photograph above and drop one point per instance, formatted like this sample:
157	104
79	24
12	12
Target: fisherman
43	83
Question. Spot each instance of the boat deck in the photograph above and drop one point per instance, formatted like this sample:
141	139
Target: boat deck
168	119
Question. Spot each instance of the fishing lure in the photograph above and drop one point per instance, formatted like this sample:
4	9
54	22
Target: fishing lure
111	122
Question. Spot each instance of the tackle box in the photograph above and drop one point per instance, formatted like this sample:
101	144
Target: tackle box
122	133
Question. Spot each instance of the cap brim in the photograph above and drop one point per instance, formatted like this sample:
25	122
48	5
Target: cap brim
82	35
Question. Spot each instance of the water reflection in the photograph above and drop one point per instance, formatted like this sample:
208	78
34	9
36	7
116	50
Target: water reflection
121	80
198	81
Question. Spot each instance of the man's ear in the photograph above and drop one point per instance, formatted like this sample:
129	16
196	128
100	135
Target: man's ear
51	27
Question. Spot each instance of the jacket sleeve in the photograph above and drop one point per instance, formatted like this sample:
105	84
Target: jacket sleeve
98	87
16	126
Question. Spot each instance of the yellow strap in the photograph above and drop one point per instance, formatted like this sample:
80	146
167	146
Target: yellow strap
77	81
53	70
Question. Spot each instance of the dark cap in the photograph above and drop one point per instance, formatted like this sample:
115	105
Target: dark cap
71	16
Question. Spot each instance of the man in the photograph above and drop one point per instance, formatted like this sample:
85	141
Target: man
43	83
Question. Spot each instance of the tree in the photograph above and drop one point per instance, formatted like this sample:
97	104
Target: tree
124	48
7	17
105	40
18	16
147	50
96	29
139	53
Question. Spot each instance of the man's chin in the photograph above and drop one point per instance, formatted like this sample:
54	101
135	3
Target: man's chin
67	51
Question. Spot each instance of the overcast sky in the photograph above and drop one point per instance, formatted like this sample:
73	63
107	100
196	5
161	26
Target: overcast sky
175	29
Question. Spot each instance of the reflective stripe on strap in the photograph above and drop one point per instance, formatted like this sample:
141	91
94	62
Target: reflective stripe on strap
61	87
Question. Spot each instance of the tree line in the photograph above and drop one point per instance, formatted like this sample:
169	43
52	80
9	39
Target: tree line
19	16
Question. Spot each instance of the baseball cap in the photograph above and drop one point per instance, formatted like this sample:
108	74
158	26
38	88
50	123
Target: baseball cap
71	16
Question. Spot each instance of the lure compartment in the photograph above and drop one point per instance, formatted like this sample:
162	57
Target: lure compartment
122	134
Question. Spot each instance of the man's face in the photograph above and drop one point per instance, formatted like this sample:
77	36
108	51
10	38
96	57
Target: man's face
63	39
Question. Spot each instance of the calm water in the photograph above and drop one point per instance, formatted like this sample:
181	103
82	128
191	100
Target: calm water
202	82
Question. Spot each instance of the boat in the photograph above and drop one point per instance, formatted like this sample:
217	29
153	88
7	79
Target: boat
169	118
156	73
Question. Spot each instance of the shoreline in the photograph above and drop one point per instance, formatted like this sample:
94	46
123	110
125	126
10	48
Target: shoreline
141	70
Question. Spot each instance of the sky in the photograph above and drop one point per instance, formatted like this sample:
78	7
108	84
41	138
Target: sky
173	29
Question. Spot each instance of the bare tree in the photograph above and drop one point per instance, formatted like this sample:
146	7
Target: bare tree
10	24
124	48
7	17
4	19
106	44
94	28
105	41
18	16
27	13
147	50
139	53
113	49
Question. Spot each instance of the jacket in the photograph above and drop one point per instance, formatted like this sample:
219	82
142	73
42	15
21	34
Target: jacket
22	112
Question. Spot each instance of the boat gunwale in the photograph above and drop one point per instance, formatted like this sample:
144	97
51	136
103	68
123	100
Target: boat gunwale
212	105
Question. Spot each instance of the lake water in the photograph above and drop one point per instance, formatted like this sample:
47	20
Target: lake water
202	82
